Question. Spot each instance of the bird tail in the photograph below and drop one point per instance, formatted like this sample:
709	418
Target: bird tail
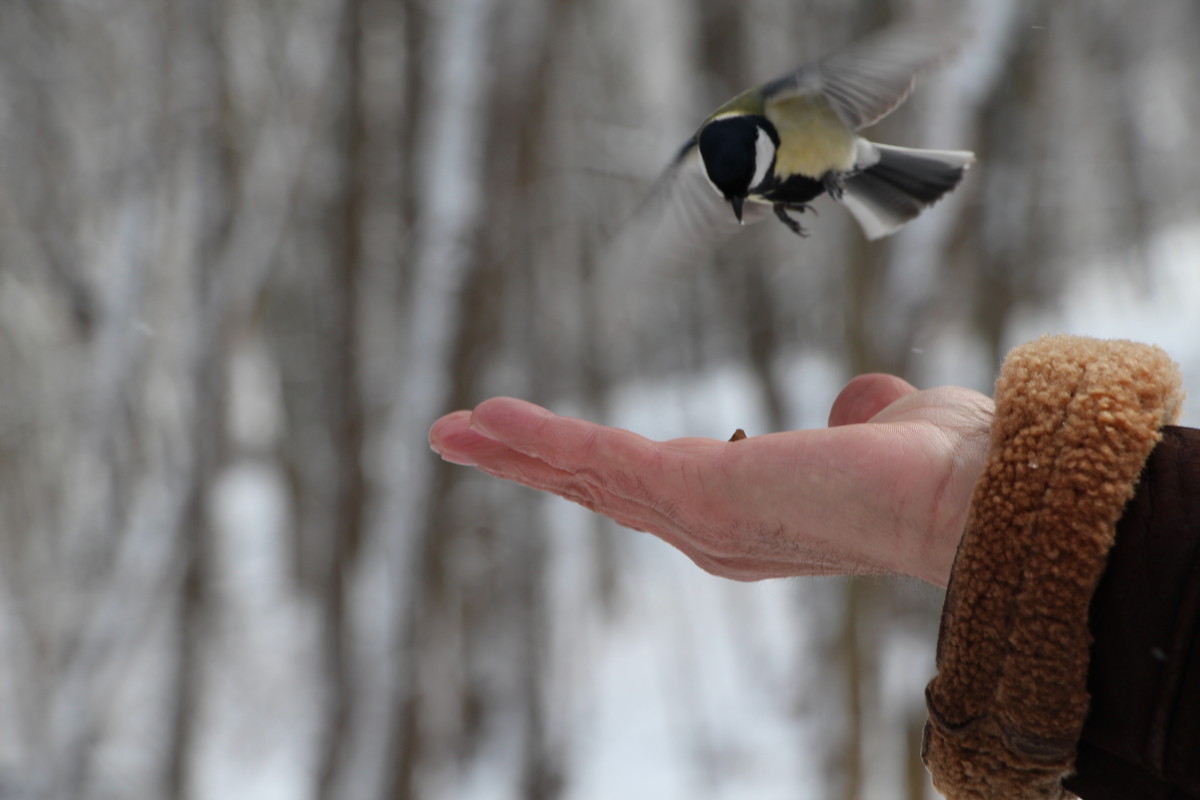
895	184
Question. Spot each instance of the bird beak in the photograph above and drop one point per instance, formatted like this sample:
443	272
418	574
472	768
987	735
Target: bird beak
737	203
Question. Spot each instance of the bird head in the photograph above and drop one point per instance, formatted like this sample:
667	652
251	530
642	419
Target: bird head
738	151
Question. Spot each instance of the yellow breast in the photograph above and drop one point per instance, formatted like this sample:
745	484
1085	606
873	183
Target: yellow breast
813	140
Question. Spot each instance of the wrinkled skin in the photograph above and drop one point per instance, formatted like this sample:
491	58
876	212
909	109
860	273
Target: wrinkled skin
884	489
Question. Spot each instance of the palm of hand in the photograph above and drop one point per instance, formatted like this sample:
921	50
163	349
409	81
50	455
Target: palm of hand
884	489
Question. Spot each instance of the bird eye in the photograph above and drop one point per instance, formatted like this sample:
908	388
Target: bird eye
764	157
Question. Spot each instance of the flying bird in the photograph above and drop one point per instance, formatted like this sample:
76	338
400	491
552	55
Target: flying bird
782	144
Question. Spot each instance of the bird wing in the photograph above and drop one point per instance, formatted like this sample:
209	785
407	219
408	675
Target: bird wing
647	270
681	220
867	80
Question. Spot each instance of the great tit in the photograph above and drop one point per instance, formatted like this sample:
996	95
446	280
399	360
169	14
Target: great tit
784	143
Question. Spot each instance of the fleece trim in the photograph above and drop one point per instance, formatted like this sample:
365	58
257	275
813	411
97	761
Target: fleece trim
1076	419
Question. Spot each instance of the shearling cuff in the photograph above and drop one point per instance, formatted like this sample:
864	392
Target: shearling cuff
1075	421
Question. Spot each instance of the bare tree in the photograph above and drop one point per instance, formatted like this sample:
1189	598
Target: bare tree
249	251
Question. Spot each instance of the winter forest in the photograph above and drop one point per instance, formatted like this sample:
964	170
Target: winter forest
251	249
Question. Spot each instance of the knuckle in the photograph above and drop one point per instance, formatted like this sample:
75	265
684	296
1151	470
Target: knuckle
582	493
623	484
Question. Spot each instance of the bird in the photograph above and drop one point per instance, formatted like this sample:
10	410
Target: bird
785	142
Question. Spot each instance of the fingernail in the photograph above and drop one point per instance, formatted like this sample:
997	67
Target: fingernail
474	425
438	445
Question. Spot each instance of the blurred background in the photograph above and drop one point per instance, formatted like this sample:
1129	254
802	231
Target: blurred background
251	249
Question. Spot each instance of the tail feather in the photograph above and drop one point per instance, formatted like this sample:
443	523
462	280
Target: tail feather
897	183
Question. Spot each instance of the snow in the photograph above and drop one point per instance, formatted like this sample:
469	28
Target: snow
259	738
687	690
1157	302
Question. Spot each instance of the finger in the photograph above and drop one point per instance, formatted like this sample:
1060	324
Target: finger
865	396
591	491
570	444
644	501
453	438
459	444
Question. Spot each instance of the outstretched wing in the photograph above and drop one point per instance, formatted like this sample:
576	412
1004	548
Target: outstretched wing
646	272
681	220
867	80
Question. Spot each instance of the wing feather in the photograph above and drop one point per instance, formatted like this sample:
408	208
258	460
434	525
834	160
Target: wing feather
681	221
866	81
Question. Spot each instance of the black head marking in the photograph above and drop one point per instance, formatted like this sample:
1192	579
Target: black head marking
731	148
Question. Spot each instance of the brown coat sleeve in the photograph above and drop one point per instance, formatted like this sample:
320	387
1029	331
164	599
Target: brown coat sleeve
1142	734
1076	420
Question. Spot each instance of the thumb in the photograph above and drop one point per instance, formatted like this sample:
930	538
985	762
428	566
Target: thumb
865	396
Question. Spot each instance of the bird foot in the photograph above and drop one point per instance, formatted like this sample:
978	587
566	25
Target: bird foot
781	214
834	187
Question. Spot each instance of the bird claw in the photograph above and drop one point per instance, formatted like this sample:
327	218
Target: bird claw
834	187
781	214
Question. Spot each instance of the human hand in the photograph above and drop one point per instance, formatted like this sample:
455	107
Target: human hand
884	489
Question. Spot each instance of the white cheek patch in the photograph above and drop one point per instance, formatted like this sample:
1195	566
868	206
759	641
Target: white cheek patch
764	157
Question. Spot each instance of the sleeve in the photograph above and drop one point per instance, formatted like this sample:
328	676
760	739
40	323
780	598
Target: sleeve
1076	421
1141	737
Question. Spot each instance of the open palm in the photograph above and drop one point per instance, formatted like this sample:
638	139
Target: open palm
884	489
